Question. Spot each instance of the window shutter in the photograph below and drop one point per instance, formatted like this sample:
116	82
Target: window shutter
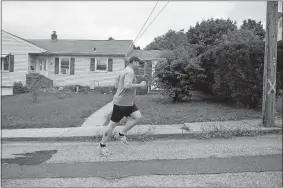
72	66
110	65
92	64
11	63
45	65
56	71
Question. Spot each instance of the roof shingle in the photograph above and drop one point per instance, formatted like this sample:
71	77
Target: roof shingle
60	46
147	54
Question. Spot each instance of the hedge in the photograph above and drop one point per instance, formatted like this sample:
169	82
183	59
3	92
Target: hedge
19	88
235	71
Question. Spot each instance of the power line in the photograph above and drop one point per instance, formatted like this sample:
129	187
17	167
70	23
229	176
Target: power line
154	19
146	21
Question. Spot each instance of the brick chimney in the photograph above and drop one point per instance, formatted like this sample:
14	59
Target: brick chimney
54	35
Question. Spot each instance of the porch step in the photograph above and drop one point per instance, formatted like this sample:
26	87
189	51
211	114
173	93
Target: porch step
41	80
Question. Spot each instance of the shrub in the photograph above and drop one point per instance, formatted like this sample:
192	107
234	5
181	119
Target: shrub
53	90
178	75
235	71
240	73
73	88
105	89
19	88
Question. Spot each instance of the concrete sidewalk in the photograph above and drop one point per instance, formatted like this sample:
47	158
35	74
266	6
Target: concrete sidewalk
99	117
186	130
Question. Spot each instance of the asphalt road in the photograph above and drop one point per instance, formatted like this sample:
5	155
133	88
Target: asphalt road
122	169
250	161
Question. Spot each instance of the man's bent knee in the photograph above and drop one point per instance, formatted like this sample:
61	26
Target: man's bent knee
136	115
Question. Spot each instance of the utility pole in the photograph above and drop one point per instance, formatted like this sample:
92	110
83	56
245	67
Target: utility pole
270	62
280	30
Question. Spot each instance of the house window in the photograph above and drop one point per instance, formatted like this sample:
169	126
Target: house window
101	64
7	63
65	66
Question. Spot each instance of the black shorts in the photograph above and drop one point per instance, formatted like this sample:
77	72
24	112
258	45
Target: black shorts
119	112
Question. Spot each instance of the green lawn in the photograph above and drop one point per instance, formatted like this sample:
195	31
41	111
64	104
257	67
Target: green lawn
50	111
156	110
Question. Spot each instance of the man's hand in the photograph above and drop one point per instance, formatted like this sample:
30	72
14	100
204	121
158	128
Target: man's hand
143	85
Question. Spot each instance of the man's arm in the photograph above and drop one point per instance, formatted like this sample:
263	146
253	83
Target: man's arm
128	82
117	81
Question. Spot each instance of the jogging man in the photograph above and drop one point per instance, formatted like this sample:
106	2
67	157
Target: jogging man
107	114
123	104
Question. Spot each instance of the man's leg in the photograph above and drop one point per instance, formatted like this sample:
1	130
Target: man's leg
135	118
107	132
116	116
107	114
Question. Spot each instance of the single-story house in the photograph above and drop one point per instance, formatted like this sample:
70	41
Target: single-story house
69	62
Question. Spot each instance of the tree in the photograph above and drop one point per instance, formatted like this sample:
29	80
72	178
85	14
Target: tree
137	47
206	35
255	27
169	41
111	38
239	36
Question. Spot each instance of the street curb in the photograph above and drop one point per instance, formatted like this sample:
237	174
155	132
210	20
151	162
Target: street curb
146	137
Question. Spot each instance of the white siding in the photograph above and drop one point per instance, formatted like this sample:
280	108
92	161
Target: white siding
83	75
20	51
7	91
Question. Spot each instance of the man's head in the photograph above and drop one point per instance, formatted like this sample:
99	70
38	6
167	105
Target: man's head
135	62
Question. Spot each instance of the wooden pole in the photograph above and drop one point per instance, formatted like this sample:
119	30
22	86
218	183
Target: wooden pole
280	9
270	61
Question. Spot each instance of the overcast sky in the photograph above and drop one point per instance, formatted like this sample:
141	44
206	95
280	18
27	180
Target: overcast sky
117	19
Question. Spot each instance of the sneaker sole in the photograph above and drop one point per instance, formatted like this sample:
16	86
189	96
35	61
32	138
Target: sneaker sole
124	143
102	155
119	138
105	155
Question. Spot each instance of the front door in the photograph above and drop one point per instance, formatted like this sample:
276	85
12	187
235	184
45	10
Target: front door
42	67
